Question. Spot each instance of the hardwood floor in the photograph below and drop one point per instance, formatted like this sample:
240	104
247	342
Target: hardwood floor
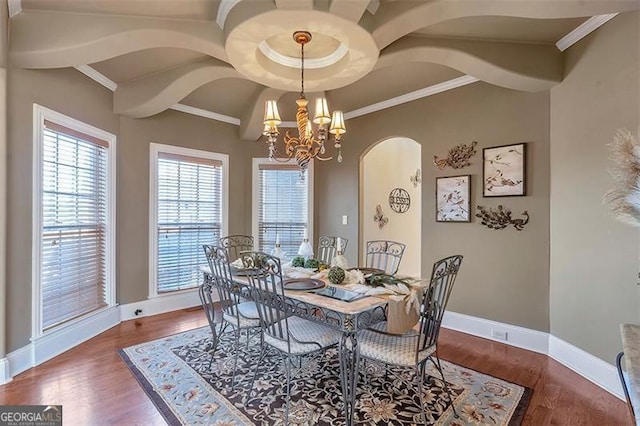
96	388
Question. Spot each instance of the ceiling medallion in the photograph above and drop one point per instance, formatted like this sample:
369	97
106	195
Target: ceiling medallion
308	143
258	45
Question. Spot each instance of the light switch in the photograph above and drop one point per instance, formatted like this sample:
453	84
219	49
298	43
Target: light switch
345	219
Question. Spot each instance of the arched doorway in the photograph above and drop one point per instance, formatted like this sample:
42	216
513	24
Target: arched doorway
385	167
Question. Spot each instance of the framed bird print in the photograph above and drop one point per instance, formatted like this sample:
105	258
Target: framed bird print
503	171
453	199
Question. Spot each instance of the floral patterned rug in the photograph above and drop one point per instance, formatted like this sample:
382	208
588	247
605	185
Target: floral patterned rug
174	372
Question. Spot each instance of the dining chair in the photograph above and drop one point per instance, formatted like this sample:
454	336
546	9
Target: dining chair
624	380
328	248
413	349
385	255
240	315
234	244
290	336
205	292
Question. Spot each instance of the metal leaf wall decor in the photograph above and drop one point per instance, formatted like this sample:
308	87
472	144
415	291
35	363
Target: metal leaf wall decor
458	156
501	218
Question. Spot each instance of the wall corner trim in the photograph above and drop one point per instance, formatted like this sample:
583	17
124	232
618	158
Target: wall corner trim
5	371
20	360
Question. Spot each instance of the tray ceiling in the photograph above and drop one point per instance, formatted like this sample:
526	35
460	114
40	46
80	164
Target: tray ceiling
228	56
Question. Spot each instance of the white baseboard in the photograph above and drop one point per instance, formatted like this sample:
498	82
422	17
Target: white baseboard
160	305
54	343
5	372
65	338
128	311
525	338
588	366
20	360
48	346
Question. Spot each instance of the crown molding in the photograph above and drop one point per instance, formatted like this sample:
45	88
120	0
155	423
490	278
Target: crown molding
93	74
398	100
15	7
373	6
583	30
206	114
412	96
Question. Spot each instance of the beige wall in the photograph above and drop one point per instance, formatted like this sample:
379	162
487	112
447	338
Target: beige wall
594	259
505	274
171	128
69	92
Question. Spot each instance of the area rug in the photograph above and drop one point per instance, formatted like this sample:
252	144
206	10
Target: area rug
174	372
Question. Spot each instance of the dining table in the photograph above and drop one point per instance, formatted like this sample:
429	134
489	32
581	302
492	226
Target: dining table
347	317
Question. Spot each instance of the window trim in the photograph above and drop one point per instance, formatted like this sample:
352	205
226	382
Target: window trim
40	114
255	195
155	149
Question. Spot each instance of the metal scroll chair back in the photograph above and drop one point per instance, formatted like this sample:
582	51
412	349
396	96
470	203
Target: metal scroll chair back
221	277
385	255
268	293
436	297
328	248
205	292
234	244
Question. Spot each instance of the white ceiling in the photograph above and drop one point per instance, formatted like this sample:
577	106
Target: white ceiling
160	53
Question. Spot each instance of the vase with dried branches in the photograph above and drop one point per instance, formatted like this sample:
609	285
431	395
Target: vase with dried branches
624	196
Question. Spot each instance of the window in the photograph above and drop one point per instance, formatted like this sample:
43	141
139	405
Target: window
282	205
188	210
73	224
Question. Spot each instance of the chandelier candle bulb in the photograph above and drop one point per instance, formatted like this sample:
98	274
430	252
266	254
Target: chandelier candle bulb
339	245
305	236
337	124
322	115
277	240
271	114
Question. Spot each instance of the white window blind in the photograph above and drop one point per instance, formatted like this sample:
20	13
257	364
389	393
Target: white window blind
282	207
189	209
74	256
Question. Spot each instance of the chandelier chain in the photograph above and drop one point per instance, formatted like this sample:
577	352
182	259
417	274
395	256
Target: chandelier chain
302	71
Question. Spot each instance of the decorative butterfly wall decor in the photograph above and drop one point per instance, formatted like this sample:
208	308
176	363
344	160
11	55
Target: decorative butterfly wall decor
380	217
415	179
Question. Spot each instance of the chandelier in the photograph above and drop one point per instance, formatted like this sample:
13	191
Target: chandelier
309	142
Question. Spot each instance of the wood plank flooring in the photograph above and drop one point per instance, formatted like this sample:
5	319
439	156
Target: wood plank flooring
96	388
